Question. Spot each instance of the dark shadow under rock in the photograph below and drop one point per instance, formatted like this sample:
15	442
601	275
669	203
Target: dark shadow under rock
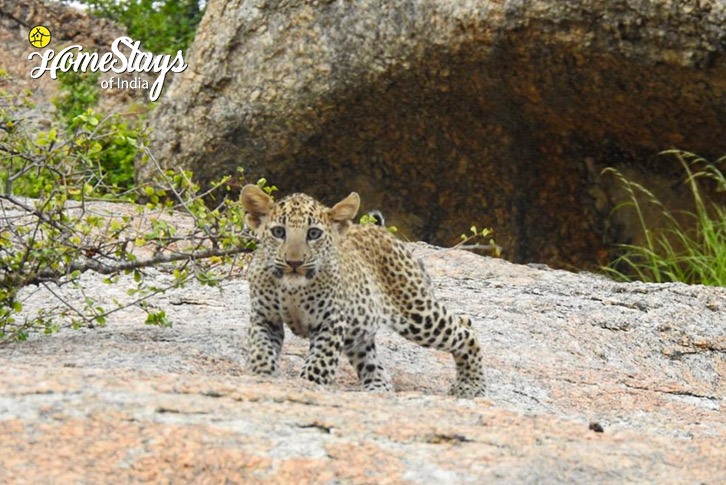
447	115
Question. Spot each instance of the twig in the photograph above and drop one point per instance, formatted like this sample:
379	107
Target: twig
62	300
40	215
479	247
48	274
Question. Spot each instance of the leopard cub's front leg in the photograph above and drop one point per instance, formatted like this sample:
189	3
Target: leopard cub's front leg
326	343
265	339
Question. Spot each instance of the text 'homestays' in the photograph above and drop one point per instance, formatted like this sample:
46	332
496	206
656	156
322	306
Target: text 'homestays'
73	58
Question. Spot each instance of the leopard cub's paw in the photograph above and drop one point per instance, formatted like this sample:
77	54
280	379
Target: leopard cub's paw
316	375
379	386
468	389
263	370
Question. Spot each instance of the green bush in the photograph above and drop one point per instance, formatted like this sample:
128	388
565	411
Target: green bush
91	151
78	92
116	151
691	252
115	140
52	238
162	26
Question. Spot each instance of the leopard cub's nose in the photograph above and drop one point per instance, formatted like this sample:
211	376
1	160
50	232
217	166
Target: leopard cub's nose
294	264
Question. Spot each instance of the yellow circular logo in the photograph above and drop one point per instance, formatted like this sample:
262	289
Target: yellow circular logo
39	36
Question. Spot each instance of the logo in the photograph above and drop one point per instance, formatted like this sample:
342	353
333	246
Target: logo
126	56
39	36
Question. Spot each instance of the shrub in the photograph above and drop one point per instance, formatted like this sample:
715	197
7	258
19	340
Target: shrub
115	140
693	251
53	237
162	26
78	92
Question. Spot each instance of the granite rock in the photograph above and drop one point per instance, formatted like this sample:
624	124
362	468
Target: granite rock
589	381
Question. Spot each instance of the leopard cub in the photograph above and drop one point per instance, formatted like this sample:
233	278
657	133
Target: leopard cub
336	283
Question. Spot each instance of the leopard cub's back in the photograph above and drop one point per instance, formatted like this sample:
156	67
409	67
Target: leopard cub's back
374	255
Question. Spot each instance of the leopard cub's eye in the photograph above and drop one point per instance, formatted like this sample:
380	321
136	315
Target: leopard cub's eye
314	233
278	232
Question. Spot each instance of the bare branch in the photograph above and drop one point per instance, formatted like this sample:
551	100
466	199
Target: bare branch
88	264
37	213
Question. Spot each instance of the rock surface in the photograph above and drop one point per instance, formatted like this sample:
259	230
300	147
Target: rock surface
450	113
644	363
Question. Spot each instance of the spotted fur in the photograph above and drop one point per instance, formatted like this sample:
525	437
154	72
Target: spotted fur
336	283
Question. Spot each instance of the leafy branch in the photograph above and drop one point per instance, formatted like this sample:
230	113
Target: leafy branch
61	216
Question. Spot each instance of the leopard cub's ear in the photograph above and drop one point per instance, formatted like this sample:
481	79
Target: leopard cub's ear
344	211
257	205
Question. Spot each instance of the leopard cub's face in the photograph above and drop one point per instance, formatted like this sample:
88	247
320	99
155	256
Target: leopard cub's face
296	237
297	234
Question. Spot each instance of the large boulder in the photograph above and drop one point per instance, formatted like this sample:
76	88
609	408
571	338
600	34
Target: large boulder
445	114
